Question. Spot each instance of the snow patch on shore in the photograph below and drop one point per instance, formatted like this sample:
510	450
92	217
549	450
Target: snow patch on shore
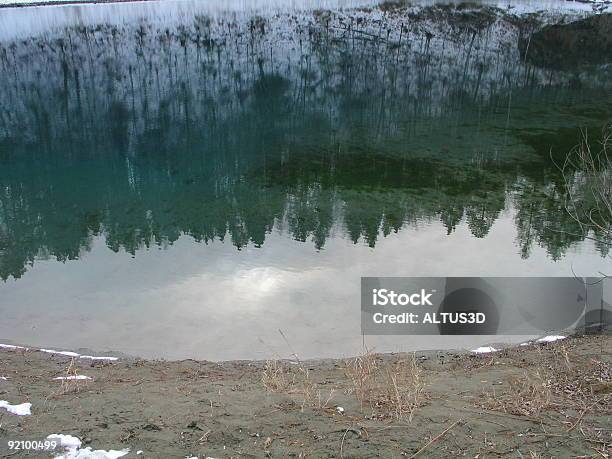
484	350
73	377
11	346
92	357
73	450
545	339
551	338
88	453
65	353
23	409
76	355
65	441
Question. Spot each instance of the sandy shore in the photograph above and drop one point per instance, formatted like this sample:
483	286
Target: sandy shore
543	399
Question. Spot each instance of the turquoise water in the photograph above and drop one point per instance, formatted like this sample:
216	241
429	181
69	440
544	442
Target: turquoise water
236	173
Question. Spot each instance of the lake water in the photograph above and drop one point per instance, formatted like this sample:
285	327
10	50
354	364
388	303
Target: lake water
180	180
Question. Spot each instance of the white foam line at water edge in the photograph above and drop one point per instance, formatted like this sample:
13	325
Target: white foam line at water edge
73	377
73	450
23	409
484	350
3	378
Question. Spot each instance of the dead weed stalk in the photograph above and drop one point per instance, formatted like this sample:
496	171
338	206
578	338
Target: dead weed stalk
392	390
278	377
71	379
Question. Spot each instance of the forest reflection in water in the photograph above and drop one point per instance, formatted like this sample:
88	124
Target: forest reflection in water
321	124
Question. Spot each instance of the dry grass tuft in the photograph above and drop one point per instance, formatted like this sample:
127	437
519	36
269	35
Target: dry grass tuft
312	396
405	388
561	380
275	377
362	371
393	390
278	377
71	382
527	396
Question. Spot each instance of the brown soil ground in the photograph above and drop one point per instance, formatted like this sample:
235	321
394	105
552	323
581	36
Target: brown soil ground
542	400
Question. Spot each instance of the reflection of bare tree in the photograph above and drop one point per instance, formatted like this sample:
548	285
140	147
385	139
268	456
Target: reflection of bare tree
587	174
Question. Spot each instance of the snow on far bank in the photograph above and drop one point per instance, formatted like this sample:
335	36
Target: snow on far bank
73	450
18	23
241	5
23	409
484	350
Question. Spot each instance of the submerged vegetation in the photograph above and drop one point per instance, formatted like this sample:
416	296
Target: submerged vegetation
226	127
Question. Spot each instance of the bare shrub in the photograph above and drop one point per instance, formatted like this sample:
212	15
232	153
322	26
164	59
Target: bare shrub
587	173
